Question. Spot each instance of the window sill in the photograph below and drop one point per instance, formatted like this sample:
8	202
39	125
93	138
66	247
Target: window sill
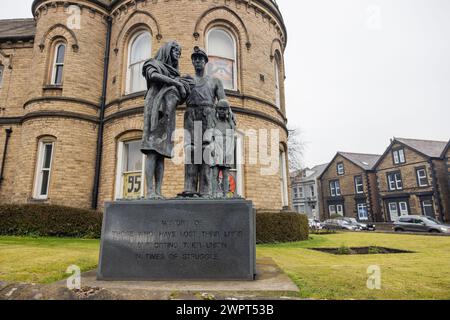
36	200
52	87
52	90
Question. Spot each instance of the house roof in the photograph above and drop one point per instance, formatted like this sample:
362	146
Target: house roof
17	29
316	172
444	153
429	148
365	161
319	169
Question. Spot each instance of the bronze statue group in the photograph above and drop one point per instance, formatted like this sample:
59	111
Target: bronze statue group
209	124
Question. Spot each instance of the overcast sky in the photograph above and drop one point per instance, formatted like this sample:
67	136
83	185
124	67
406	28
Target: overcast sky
358	71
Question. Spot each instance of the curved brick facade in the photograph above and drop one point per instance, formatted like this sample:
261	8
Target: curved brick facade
70	113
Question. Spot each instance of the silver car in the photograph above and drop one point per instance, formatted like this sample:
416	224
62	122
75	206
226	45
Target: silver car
420	224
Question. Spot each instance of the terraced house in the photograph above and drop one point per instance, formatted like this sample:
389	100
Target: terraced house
348	187
305	191
446	157
72	94
413	179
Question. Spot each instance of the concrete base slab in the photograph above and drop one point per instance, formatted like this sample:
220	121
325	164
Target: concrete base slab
271	284
270	279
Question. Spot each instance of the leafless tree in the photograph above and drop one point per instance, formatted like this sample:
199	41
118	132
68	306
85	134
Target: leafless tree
296	148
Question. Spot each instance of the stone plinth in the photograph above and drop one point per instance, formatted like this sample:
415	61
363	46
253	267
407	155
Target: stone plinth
178	240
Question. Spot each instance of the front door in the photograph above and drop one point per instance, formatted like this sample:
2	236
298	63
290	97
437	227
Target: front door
393	210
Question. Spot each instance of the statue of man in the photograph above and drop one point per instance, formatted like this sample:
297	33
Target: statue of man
198	119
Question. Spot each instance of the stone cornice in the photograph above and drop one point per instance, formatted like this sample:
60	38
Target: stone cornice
270	6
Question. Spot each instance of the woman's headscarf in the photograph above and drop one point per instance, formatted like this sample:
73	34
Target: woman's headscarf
164	54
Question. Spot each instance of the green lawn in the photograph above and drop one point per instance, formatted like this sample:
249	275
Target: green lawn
44	260
424	274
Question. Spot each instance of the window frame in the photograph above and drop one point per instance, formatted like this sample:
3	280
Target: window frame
394	181
39	168
398	156
342	211
235	51
359	184
119	186
358	207
278	76
2	74
129	66
338	166
331	212
240	154
283	179
301	192
56	64
422	205
418	177
335	188
313	191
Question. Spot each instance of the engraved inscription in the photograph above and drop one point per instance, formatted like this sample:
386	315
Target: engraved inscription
173	240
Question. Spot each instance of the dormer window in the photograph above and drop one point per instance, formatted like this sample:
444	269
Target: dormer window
398	156
340	168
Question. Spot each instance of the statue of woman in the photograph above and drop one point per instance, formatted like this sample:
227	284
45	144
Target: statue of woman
166	90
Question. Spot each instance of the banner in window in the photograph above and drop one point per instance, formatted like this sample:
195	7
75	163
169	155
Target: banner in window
222	69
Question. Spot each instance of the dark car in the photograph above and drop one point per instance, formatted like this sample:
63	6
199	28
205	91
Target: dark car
420	224
359	225
339	224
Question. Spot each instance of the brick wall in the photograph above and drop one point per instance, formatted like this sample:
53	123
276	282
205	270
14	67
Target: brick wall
349	198
70	112
410	190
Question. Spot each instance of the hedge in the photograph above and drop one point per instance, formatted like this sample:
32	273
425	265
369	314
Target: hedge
284	226
59	221
49	220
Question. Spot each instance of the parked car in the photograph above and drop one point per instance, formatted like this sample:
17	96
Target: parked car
420	224
339	224
361	226
314	224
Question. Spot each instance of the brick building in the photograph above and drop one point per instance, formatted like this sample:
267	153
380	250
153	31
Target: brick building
413	179
348	187
446	157
71	94
305	191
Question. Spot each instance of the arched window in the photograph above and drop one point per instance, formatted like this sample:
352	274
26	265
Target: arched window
44	167
139	51
277	83
221	47
58	64
2	68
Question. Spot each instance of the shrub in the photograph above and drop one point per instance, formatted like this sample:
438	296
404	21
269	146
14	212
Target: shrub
375	250
273	227
344	250
49	220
